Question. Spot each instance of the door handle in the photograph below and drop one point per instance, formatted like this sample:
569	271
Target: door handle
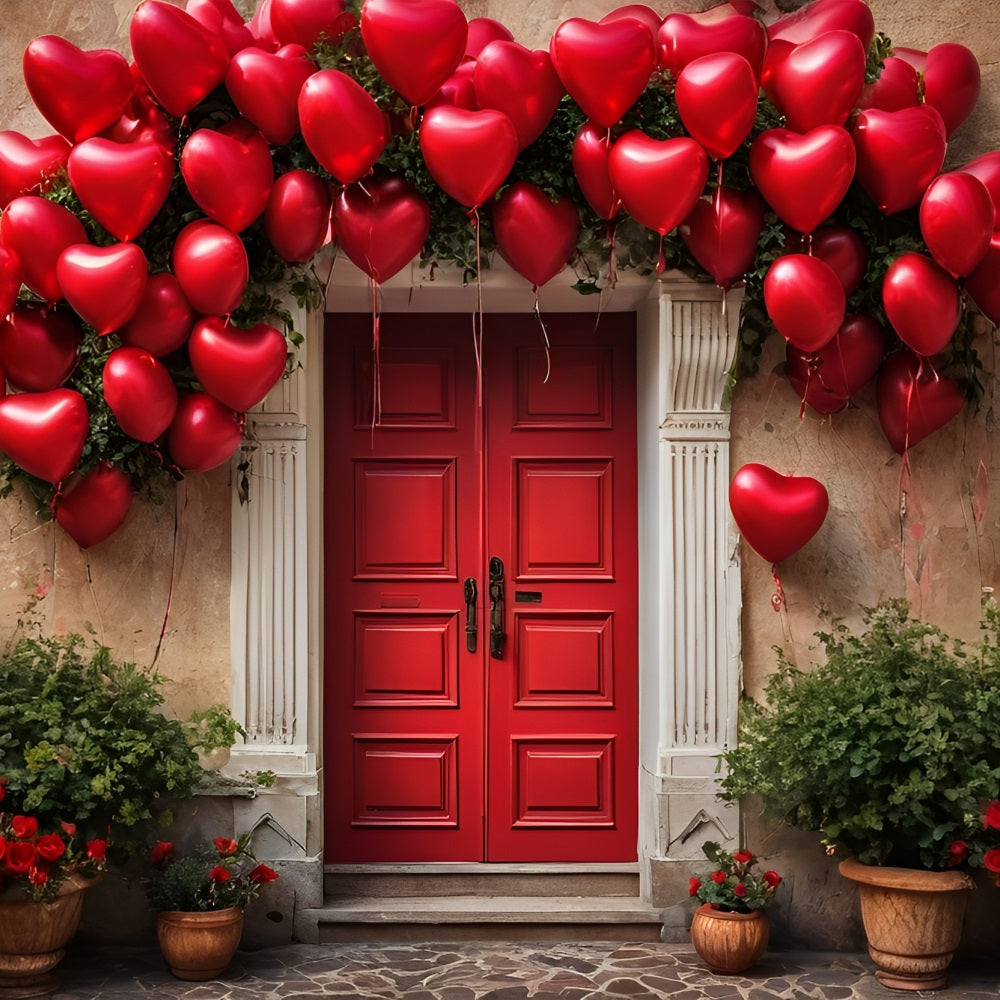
471	621
496	608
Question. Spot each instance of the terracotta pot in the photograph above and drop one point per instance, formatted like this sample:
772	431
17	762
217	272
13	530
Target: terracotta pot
913	920
199	946
33	938
729	942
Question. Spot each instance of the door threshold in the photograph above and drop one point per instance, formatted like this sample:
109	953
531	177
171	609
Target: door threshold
485	868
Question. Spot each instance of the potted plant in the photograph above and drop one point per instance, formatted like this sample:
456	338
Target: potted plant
201	898
888	748
211	733
730	929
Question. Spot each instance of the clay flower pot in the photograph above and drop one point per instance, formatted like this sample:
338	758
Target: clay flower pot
199	946
729	942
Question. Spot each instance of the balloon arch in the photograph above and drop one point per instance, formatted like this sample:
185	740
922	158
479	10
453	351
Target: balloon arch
148	245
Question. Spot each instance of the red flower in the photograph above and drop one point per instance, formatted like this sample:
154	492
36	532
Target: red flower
957	853
20	856
97	849
69	829
225	846
992	817
739	890
50	847
772	879
36	876
262	875
162	851
719	877
220	874
693	886
743	857
991	860
24	827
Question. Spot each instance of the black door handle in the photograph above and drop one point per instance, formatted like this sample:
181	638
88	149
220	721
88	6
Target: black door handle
471	622
496	608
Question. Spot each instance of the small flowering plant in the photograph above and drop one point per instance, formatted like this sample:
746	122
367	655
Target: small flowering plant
36	862
980	847
734	885
215	876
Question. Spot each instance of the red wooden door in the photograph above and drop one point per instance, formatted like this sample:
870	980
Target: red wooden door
441	744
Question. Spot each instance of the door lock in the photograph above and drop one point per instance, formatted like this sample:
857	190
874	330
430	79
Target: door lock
471	618
496	608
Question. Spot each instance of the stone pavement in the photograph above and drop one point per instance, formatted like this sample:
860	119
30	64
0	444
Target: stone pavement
501	971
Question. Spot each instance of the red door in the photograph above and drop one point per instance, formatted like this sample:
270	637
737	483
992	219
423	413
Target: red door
481	641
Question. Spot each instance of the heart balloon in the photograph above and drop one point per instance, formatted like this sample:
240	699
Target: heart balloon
897	87
899	154
826	379
591	149
103	284
123	186
265	88
921	302
223	20
987	169
459	90
92	507
27	166
415	44
535	235
845	251
143	121
482	31
468	153
204	433
913	401
951	83
658	180
956	221
722	232
38	230
304	22
814	19
776	514
180	59
163	319
717	101
44	432
805	300
604	67
297	217
637	12
10	280
820	81
139	392
803	177
381	226
229	173
261	29
211	264
78	93
342	125
682	38
237	367
38	348
984	282
520	83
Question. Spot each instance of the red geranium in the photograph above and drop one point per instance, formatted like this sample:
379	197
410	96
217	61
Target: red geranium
97	849
50	847
991	817
991	860
771	878
225	846
162	851
718	877
220	874
262	875
693	886
20	857
24	826
734	885
957	853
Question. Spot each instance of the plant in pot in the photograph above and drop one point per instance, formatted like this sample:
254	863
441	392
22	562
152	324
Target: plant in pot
201	898
730	929
888	748
212	732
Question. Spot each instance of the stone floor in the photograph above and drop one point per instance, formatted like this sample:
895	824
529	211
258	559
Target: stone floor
477	971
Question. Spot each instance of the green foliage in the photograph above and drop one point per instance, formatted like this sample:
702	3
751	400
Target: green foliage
212	728
889	748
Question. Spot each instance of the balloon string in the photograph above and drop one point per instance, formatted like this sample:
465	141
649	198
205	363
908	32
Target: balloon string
778	597
170	588
661	261
612	226
723	301
56	497
376	359
545	337
477	326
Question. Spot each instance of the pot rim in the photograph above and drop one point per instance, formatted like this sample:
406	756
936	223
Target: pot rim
913	879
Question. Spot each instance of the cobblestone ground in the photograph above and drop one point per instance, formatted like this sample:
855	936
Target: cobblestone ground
476	971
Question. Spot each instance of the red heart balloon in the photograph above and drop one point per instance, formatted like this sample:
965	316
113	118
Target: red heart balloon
229	173
78	93
204	433
803	177
381	226
682	38
482	31
297	217
10	280
805	300
143	121
122	186
722	232
922	302
776	514
38	348
984	282
237	367
265	88
103	284
535	235
844	251
956	221
591	149
415	44
899	154
717	101
468	153
819	82
342	125
38	231
163	319
825	15
180	59
897	87
987	169
658	180
913	400
92	507
44	432
139	392
27	166
636	12
827	378
604	67
459	90
303	22
211	264
261	28
222	19
951	83
520	83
